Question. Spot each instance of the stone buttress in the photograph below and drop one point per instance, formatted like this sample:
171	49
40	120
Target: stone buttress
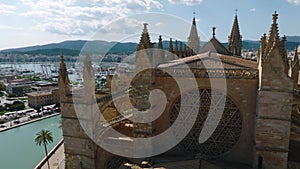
274	104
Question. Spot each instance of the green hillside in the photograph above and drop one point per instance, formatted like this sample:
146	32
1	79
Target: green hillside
73	48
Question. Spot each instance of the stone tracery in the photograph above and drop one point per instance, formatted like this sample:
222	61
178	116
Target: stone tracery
226	134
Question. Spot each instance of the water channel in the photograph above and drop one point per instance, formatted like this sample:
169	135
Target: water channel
18	149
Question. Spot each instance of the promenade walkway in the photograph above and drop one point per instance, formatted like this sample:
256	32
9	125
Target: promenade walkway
56	158
24	121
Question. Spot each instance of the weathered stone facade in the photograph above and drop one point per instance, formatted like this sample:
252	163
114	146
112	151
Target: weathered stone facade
259	127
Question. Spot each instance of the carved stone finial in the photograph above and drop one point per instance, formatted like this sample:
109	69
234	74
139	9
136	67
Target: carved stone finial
273	38
275	17
160	42
145	30
63	79
184	51
171	46
63	71
295	69
176	51
159	57
180	52
194	20
263	43
170	53
214	31
88	77
284	38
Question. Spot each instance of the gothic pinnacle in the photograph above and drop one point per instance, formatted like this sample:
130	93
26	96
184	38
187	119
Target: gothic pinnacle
145	30
235	38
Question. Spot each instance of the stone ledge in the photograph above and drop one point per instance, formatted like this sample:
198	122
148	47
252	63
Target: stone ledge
271	149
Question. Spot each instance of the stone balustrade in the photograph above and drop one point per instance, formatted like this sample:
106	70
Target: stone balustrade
209	73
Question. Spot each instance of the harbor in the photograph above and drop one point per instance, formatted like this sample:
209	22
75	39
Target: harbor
20	150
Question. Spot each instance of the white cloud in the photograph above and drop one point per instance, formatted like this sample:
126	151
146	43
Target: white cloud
75	17
158	23
187	2
7	9
124	26
6	27
252	9
296	2
156	4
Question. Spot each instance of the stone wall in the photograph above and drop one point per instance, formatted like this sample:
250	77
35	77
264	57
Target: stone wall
274	107
79	149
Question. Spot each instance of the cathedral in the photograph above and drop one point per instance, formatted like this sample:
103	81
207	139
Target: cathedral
258	127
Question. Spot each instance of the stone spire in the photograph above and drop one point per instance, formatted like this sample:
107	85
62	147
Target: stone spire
273	38
180	52
184	51
273	49
144	56
189	51
145	41
63	79
283	53
170	51
273	42
194	39
263	44
176	52
160	54
295	69
88	77
235	39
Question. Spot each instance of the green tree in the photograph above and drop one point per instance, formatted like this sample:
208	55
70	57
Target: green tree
2	88
17	105
44	137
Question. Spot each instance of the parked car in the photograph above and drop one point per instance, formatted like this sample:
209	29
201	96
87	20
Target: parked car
16	121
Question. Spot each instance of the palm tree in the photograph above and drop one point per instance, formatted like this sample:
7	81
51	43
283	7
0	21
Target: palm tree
44	137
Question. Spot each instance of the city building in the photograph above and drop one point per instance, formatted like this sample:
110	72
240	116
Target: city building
18	87
43	85
42	98
7	77
259	102
7	74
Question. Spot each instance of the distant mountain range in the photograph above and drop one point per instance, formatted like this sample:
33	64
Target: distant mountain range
73	48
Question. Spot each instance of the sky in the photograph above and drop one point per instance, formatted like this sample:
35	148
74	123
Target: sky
38	22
